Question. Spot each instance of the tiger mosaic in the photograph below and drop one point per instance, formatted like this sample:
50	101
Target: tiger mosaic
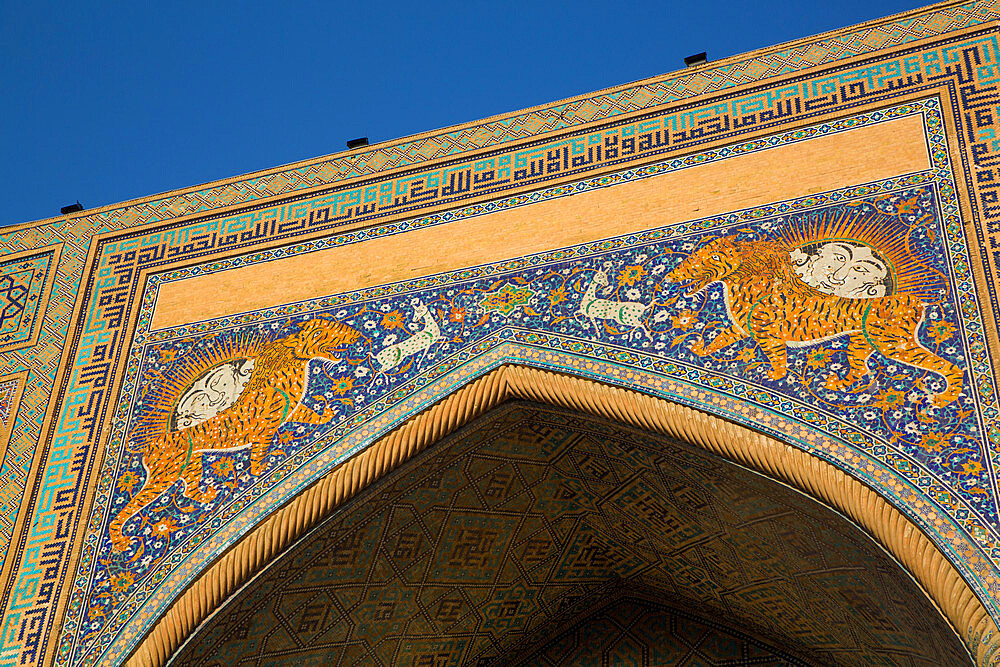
272	397
767	301
616	301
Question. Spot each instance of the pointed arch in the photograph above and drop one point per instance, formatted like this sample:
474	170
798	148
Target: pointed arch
777	460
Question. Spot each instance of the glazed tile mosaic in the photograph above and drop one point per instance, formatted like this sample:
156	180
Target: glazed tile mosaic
850	312
24	285
71	407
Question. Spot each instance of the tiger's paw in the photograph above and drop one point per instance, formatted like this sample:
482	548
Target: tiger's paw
941	400
776	373
698	347
120	543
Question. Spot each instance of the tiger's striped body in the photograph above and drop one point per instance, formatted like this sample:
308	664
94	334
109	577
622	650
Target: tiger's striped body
767	300
271	398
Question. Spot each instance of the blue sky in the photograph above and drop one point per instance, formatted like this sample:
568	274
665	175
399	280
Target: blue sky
104	102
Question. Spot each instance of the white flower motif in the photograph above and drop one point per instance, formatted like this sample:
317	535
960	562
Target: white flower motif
389	340
657	270
661	316
633	294
360	371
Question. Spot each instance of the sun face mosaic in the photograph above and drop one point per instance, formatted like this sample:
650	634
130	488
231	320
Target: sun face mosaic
848	311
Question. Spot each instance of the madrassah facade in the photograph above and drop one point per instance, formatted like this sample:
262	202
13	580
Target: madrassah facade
701	369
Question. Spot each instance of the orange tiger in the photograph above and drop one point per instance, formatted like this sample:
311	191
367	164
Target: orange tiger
766	299
270	398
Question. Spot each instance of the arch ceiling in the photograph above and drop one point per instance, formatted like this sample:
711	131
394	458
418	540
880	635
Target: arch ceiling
798	243
491	543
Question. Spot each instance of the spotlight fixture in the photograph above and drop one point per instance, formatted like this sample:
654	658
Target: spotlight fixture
696	59
72	208
357	143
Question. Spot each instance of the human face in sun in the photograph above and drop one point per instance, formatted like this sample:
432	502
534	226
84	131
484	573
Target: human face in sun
212	393
843	269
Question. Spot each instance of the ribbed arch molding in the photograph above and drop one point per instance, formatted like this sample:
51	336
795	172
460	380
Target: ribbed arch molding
818	479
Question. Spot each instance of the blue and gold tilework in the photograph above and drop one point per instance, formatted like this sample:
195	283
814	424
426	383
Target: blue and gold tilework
25	282
902	401
84	363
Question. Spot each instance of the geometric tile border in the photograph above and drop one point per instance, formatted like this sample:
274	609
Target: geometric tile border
25	283
11	387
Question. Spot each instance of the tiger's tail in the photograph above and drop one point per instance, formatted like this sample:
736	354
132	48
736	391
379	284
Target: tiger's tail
893	331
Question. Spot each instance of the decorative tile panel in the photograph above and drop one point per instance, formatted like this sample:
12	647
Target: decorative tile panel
846	322
956	60
25	282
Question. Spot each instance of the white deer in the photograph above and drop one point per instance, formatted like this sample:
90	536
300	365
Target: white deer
391	356
625	313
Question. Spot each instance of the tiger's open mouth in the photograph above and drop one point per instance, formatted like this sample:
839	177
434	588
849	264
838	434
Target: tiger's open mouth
692	287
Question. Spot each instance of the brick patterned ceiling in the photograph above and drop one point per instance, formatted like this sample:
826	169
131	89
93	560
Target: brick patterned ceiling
494	541
629	631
